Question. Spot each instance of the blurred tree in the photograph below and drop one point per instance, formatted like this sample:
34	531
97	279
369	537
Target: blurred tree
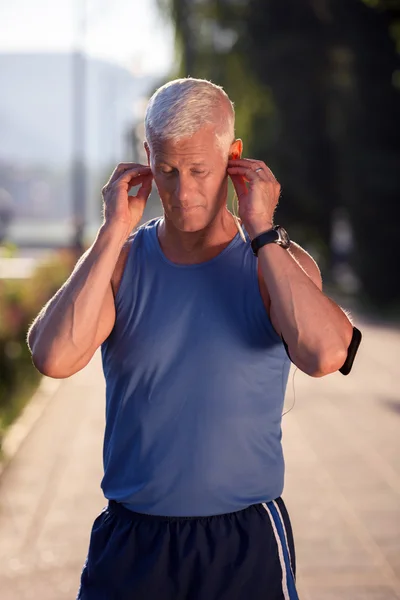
289	46
316	89
209	40
370	149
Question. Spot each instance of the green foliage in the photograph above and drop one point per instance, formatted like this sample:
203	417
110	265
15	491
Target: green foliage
8	249
20	302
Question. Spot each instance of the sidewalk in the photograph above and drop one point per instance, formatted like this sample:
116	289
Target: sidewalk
50	494
342	448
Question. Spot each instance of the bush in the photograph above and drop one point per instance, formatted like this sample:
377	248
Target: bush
20	303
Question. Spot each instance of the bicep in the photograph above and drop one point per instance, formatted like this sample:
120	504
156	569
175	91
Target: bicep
108	312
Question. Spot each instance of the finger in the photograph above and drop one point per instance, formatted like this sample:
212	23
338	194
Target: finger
136	174
267	171
243	160
253	176
139	180
239	185
249	163
130	165
254	164
245	172
145	190
126	183
125	168
262	174
117	172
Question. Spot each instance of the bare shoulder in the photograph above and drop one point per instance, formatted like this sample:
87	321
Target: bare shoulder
307	263
121	262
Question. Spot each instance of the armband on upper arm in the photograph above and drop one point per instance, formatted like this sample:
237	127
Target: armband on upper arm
351	352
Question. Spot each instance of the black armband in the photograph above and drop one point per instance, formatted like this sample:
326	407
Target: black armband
351	352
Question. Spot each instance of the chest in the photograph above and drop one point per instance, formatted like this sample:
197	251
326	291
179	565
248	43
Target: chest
120	266
167	313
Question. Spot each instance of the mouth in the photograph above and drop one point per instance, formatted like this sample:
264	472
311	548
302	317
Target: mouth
182	209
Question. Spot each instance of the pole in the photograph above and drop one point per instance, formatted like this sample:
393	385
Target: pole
79	129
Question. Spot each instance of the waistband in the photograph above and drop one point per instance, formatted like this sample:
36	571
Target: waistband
119	509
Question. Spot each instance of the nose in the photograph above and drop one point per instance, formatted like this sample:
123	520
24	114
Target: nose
184	190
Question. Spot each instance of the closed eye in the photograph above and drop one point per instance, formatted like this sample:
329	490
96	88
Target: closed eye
193	171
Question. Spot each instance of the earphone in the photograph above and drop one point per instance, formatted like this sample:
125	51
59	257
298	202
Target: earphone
294	395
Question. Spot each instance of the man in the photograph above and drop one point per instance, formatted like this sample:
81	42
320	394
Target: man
191	320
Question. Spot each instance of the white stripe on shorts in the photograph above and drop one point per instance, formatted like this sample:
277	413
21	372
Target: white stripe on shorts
284	531
280	552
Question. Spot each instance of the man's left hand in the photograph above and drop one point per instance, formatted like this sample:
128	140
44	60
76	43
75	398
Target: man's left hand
258	201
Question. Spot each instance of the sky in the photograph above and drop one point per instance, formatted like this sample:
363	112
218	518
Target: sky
131	33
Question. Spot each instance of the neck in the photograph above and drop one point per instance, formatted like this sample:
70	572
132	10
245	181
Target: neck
198	246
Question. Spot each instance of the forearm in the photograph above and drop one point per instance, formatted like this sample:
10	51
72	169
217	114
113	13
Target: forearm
67	324
316	329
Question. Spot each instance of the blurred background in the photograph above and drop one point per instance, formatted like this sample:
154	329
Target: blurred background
316	88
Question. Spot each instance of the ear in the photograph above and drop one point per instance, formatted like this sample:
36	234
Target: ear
236	149
147	148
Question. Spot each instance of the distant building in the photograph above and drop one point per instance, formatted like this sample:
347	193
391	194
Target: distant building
36	139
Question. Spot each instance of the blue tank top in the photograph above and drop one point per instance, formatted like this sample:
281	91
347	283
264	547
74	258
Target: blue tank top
195	383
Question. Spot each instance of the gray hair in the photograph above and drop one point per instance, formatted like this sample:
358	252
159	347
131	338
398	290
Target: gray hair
181	107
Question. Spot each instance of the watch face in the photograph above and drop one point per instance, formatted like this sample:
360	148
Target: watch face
284	239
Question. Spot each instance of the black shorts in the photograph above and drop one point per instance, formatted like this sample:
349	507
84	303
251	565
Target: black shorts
244	555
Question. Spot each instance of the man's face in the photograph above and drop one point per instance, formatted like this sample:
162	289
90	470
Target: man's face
190	175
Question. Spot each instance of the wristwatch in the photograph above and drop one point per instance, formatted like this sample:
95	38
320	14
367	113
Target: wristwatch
277	235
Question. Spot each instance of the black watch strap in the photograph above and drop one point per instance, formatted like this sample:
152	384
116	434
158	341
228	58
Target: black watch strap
264	238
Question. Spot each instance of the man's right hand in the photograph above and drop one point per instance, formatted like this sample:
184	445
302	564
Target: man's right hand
121	211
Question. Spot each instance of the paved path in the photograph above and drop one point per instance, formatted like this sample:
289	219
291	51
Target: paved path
342	446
